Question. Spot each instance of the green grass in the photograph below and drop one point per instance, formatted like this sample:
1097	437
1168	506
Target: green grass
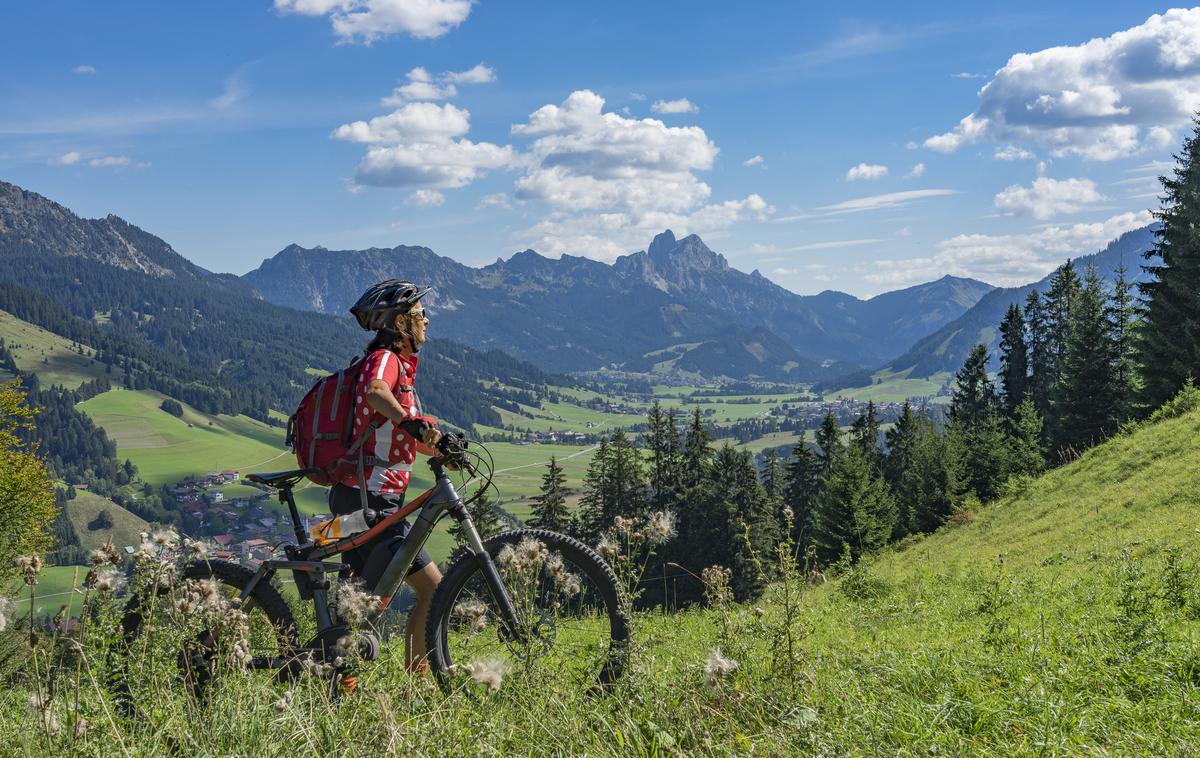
126	526
47	354
1063	619
893	387
167	449
54	590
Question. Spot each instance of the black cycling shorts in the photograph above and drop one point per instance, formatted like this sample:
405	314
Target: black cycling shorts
369	561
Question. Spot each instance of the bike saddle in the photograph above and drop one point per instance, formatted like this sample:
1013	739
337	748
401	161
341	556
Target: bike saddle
282	479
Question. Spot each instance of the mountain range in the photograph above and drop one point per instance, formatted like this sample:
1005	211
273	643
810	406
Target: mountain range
676	305
946	348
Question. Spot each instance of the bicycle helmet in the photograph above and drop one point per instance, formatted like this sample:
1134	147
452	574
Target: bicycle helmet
378	306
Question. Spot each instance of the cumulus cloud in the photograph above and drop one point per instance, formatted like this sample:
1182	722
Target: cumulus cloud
1005	260
667	107
425	198
1048	197
756	160
365	21
915	171
83	70
868	171
424	86
419	145
584	159
1012	153
1108	98
67	159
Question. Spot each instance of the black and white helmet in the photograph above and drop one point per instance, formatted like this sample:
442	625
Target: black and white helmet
378	306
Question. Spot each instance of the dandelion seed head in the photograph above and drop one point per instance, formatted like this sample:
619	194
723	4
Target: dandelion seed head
487	671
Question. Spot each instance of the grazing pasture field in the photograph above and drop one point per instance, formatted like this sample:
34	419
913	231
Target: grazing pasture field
48	355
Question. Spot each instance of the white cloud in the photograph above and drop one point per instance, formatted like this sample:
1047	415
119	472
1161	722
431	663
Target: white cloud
109	160
917	170
756	160
67	159
1048	197
83	70
365	21
637	97
1004	260
868	171
667	107
494	200
1108	98
870	203
585	159
425	198
424	86
417	146
237	88
478	74
1012	153
967	75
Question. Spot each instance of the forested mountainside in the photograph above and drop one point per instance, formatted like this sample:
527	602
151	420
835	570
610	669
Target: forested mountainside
168	325
947	348
677	298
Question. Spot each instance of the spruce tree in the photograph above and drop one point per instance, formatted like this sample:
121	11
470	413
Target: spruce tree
800	492
1039	357
975	426
864	433
901	441
1014	360
696	451
854	510
829	442
663	466
1169	350
932	484
1122	314
595	501
1025	440
1086	396
772	475
751	524
549	509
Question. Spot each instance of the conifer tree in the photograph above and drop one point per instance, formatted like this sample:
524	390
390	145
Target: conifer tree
1039	357
696	451
829	442
800	492
854	510
549	509
772	475
975	426
864	433
1169	350
1122	314
595	501
932	483
751	524
901	440
663	452
1086	397
1014	360
1025	440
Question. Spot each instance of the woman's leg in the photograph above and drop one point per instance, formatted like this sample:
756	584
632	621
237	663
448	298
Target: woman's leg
424	582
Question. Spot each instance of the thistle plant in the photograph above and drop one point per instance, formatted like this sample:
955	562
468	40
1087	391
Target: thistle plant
629	547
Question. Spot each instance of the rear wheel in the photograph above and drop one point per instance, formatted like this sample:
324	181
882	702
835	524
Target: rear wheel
178	635
573	631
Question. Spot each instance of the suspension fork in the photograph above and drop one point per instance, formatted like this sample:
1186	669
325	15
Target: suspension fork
495	584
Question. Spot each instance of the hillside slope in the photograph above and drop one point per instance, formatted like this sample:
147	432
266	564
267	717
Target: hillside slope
1062	619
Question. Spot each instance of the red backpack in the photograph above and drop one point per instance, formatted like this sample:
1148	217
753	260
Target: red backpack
319	431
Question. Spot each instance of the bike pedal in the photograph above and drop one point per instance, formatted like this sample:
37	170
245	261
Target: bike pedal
348	685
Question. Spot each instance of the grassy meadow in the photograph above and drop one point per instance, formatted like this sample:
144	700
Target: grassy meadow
47	354
1062	619
894	387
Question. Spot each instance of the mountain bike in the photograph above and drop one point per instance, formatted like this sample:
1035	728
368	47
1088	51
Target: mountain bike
530	602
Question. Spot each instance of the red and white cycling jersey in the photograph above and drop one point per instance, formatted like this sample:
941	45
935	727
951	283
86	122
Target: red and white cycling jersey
390	450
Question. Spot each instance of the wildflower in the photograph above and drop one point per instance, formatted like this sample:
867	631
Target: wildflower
29	566
608	548
282	703
313	668
107	581
355	606
788	513
488	672
622	525
473	612
146	550
569	585
758	611
165	575
195	549
717	667
660	527
165	537
106	555
531	553
241	653
506	557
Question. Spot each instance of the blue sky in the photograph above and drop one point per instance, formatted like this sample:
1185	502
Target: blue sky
850	147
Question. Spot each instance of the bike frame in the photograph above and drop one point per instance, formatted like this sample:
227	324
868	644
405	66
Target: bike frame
309	571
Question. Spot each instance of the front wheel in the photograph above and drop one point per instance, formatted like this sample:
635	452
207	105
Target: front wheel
572	630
